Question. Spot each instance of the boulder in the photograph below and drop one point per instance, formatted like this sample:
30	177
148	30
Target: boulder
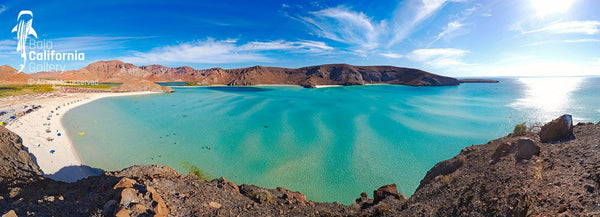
160	208
257	194
225	185
122	213
214	205
526	148
364	198
125	183
293	197
557	129
10	213
128	196
385	191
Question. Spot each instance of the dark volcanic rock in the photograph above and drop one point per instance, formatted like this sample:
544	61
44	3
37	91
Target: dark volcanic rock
385	191
15	162
494	182
526	148
558	129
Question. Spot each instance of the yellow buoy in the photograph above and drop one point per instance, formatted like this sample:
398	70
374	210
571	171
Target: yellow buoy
81	133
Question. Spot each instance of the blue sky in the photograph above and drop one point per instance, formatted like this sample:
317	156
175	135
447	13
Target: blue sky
449	37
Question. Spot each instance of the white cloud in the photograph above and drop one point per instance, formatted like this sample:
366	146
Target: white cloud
448	31
8	45
583	40
391	55
440	57
589	27
310	46
3	8
456	27
422	9
569	41
357	29
347	26
225	51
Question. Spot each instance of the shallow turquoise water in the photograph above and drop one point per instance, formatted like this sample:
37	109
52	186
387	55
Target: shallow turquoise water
329	143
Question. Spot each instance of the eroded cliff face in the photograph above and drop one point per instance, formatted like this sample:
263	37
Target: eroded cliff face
510	176
15	162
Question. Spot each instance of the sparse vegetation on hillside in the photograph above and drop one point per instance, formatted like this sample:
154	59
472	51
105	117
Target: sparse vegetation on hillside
23	89
91	86
520	129
195	170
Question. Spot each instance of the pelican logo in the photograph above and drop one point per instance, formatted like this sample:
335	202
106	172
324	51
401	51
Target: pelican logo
24	29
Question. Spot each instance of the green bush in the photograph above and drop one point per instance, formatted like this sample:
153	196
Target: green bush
195	170
520	129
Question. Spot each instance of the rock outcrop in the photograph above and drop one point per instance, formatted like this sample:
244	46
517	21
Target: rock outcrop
332	74
510	176
15	162
558	129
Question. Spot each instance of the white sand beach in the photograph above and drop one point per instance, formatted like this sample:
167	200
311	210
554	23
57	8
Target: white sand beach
33	129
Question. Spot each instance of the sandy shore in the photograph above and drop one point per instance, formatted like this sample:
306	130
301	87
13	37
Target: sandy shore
328	85
64	164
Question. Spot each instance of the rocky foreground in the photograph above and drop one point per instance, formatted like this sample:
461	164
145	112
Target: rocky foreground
517	175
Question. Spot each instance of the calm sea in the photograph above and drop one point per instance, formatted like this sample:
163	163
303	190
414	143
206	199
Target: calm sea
329	143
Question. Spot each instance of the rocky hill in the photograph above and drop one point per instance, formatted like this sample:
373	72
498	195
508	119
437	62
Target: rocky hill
9	75
335	74
517	175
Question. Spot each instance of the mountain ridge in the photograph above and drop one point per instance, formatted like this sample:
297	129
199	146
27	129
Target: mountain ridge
115	71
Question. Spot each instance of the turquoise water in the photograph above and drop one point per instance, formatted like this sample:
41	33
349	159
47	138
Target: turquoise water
329	143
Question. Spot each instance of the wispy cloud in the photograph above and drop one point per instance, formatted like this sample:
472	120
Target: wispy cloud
391	55
212	51
589	27
422	10
568	41
3	8
346	26
302	46
363	33
8	45
448	31
455	27
92	43
440	57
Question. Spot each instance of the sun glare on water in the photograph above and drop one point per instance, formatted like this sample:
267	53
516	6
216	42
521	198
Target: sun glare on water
546	97
549	7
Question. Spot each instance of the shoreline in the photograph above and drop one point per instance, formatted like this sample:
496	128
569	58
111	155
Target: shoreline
64	164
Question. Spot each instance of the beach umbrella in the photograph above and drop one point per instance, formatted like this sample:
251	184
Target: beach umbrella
58	134
52	151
